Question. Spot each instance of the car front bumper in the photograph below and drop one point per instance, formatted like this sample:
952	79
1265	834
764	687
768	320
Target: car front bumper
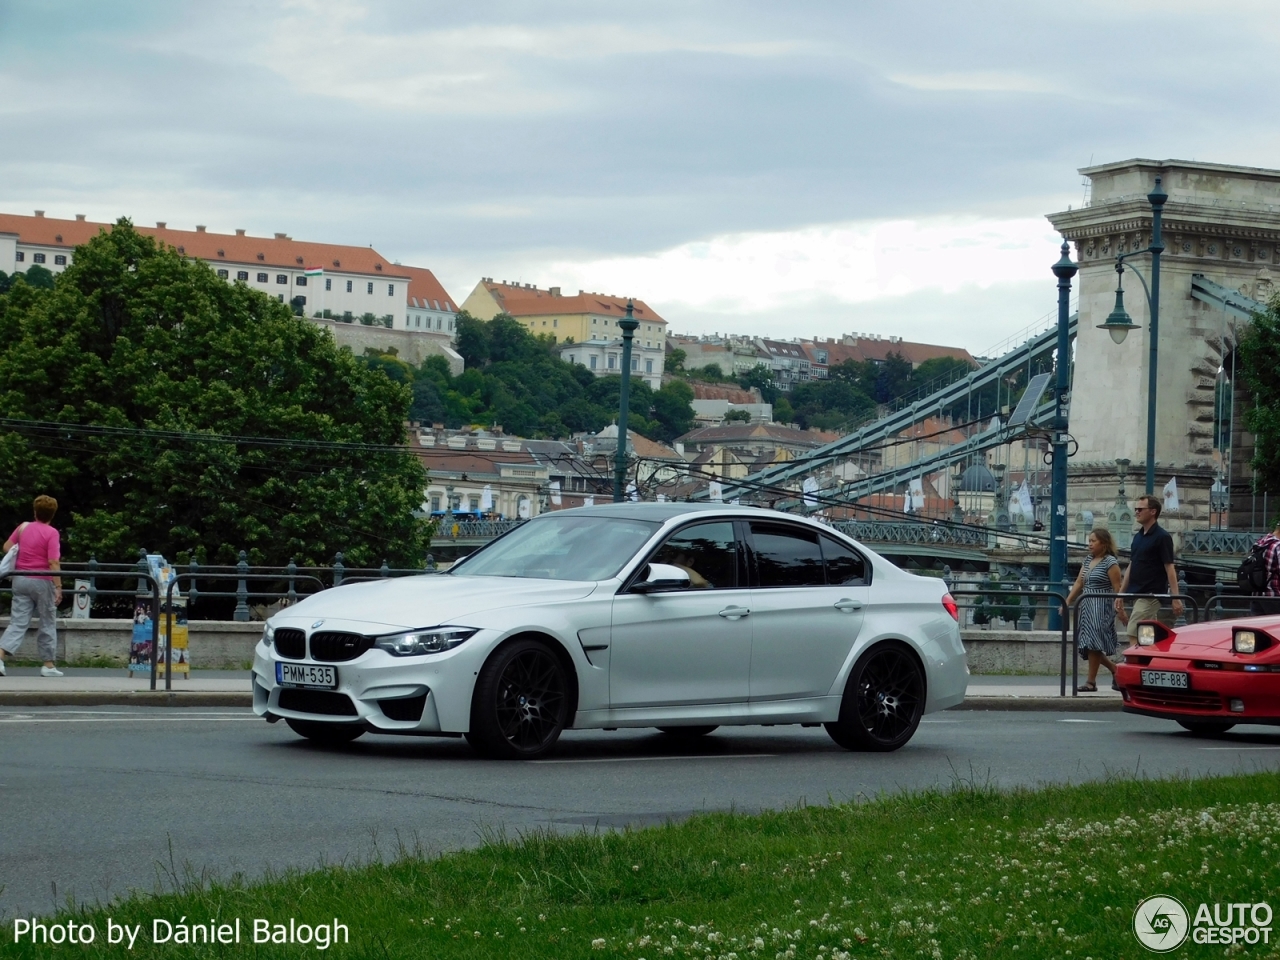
1223	694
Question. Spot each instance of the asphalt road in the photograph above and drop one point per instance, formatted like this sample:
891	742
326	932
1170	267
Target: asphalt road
93	799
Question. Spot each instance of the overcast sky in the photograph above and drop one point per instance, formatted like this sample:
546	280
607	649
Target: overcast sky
798	169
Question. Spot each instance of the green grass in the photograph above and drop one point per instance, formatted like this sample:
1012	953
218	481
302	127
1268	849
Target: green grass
966	873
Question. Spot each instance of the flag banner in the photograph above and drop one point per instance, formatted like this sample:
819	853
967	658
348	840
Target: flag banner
715	492
523	509
632	493
588	501
486	499
555	492
810	488
313	272
915	495
1024	502
1171	494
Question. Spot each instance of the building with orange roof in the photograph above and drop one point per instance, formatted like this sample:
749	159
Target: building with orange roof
342	282
582	318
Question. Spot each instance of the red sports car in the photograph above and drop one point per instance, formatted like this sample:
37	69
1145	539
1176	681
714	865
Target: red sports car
1205	676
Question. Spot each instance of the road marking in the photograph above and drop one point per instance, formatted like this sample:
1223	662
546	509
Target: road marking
119	719
1277	747
1076	720
732	756
942	721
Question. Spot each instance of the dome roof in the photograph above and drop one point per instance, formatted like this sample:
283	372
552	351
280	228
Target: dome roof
977	479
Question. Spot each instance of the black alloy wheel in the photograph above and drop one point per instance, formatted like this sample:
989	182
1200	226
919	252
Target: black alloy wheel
322	732
883	701
688	731
1206	728
520	704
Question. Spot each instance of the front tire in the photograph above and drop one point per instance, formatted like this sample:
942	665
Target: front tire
883	700
322	732
1206	728
688	731
520	704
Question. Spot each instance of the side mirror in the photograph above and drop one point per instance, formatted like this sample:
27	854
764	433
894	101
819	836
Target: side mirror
662	576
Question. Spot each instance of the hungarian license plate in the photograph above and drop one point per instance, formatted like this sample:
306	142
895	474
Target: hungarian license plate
1166	678
306	675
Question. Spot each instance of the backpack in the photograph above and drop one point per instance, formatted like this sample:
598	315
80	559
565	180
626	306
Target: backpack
1251	578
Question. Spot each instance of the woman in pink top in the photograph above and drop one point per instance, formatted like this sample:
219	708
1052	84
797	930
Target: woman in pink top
38	549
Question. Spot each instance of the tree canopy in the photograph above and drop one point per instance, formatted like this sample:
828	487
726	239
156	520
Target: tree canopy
134	339
516	380
1259	348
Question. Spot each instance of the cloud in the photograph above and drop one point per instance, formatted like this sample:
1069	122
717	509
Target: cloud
981	81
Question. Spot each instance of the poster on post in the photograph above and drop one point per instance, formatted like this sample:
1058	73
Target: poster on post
173	639
140	644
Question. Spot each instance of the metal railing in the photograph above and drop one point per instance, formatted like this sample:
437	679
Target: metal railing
1221	542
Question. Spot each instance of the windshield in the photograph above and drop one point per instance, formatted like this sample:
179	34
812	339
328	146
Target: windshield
561	548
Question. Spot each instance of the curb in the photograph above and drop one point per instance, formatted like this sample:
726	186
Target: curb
1066	704
142	698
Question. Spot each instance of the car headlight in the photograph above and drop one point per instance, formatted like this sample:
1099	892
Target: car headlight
414	643
268	634
1146	634
1244	641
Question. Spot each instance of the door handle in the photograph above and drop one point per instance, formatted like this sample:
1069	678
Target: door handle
734	613
846	605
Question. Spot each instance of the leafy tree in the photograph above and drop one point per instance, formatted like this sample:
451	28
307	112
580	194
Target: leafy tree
760	377
1259	348
737	416
712	372
893	378
37	276
782	411
135	339
673	411
4	281
472	339
674	362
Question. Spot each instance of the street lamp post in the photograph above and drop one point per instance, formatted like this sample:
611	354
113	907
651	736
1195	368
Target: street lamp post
1064	270
628	325
1118	323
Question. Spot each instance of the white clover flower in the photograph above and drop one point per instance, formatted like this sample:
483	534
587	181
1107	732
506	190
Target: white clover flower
598	943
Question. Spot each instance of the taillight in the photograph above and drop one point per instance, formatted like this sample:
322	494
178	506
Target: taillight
949	602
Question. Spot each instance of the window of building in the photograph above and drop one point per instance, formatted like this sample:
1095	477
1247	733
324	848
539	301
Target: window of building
328	283
242	274
648	366
223	274
38	258
19	256
370	286
555	323
282	278
262	278
391	289
635	364
440	320
612	361
60	259
300	281
593	365
435	503
594	321
451	326
348	286
280	297
572	358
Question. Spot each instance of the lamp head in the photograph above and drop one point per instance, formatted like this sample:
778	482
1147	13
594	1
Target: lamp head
1118	322
1064	269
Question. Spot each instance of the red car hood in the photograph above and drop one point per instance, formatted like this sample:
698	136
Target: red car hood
1201	638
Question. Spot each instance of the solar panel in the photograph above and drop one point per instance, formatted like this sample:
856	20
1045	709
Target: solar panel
1030	399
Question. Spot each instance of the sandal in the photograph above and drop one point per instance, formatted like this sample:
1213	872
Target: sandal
1087	688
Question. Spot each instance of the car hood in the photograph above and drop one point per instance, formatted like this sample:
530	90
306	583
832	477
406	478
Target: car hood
426	601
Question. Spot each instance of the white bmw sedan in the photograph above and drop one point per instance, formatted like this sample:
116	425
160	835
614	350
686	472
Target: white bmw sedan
671	615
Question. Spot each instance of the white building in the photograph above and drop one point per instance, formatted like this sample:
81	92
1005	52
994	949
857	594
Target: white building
322	279
603	357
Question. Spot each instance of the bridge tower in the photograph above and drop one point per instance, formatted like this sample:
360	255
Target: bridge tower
1222	240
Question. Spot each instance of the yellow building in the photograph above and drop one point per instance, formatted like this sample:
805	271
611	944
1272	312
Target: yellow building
584	317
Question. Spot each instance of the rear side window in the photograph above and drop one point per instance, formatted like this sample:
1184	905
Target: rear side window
787	556
844	565
708	552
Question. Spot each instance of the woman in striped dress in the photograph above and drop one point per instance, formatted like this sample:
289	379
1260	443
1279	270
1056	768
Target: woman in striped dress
1097	616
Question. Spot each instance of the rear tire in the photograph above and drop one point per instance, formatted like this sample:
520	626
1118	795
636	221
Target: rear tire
322	732
688	731
521	702
1206	728
883	700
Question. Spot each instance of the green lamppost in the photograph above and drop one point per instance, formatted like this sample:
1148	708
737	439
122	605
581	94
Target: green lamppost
1064	270
1118	323
628	325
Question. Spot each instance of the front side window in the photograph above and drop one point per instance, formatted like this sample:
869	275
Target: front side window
560	547
593	363
708	552
242	274
787	556
328	283
262	278
223	274
38	258
60	259
370	290
844	565
349	286
282	278
391	289
648	366
301	281
20	256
